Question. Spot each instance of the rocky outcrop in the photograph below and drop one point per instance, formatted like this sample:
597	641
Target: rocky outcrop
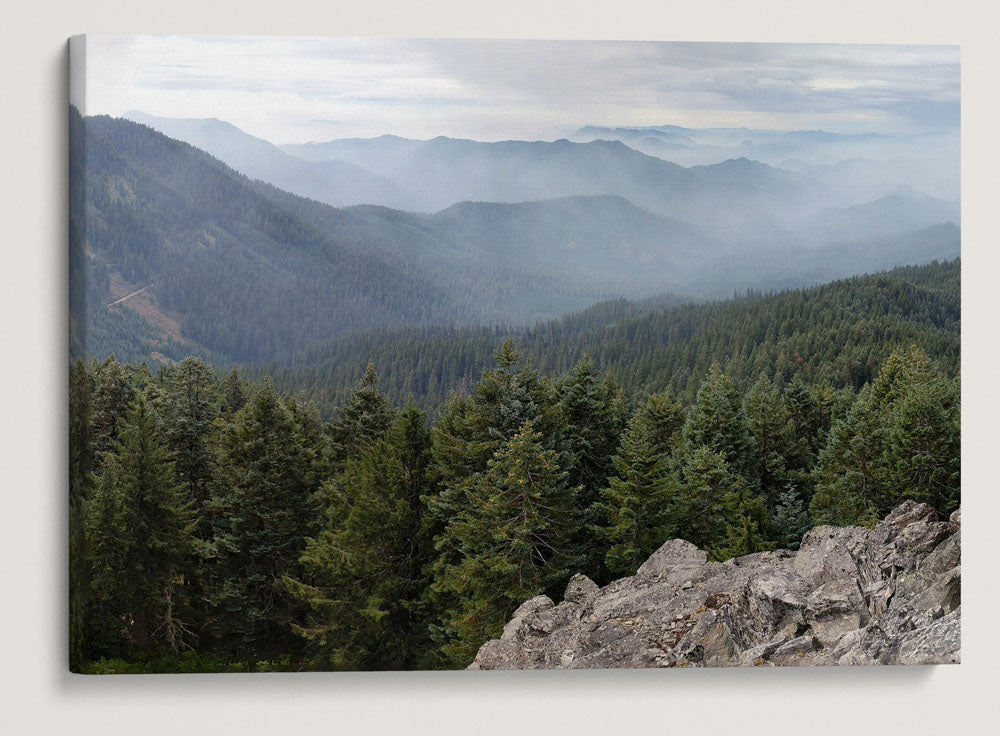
849	596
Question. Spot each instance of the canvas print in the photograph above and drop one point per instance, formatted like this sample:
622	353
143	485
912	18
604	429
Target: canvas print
408	354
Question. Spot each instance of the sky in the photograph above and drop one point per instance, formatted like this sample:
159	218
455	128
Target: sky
292	90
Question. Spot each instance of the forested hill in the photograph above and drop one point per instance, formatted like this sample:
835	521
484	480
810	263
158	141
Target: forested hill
180	255
839	334
159	215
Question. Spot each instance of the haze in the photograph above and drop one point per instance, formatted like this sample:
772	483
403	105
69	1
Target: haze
293	90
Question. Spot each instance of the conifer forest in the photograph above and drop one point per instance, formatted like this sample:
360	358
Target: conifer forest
347	405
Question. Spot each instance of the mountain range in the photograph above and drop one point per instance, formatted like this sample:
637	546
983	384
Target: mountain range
228	246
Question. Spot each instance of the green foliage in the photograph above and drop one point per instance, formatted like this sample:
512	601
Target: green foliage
210	511
138	530
638	500
923	459
718	422
837	336
366	564
848	486
747	525
80	462
513	540
791	519
363	421
699	509
264	506
900	440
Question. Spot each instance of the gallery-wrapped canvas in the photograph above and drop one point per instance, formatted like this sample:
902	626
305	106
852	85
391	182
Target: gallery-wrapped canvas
393	354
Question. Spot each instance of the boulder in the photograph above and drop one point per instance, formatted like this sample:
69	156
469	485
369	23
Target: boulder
849	596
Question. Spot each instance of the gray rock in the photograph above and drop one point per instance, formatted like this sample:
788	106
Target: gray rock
673	553
849	596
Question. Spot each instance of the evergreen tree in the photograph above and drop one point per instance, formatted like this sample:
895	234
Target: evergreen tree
366	564
364	420
514	539
637	501
468	435
922	455
139	530
718	422
699	511
791	519
188	409
112	394
663	417
747	524
773	437
265	504
848	474
591	416
591	420
233	396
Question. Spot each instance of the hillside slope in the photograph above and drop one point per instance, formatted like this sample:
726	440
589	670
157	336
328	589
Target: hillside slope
336	183
838	334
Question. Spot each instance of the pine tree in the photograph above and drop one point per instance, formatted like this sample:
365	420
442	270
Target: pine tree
717	421
514	539
848	474
139	530
772	433
366	565
637	501
699	511
233	395
592	424
664	419
266	494
189	406
361	423
791	519
471	430
922	455
747	524
112	394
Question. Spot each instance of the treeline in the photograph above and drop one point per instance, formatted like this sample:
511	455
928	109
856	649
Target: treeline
217	524
838	334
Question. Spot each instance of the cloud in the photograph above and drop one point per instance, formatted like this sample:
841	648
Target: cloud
279	87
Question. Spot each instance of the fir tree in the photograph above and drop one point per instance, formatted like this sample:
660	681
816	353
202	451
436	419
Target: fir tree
848	474
591	420
718	422
188	408
699	510
233	396
637	501
112	394
139	530
264	506
747	524
664	419
922	455
361	423
591	415
366	565
791	519
514	539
